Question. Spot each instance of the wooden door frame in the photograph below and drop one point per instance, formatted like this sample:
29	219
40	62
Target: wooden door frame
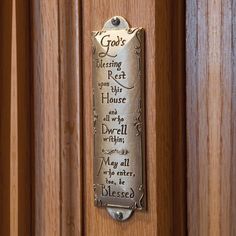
211	117
15	121
54	95
45	160
60	34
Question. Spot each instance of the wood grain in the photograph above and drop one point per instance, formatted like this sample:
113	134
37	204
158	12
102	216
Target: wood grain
14	155
156	18
70	117
45	32
211	117
63	119
24	111
14	188
5	114
58	112
60	187
179	117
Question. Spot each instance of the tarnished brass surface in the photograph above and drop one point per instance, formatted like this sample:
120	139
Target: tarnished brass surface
118	108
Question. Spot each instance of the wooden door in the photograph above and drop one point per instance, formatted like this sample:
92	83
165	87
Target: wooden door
63	111
211	117
46	141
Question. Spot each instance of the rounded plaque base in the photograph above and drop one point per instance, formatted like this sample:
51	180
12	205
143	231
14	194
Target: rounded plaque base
119	214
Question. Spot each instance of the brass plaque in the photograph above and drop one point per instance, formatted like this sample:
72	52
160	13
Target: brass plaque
118	109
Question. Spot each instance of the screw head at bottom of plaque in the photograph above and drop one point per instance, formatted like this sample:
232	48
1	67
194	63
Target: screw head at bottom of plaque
119	214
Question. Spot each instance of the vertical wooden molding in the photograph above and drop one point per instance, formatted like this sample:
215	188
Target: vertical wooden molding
14	188
211	107
179	117
5	111
214	113
232	82
14	145
71	117
162	157
45	32
57	69
23	116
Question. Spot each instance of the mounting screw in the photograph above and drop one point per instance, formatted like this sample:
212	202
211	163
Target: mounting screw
115	21
119	215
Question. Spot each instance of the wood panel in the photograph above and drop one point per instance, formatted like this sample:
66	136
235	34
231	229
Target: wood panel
63	192
70	117
24	111
45	39
58	113
14	155
5	114
13	171
211	117
163	107
179	117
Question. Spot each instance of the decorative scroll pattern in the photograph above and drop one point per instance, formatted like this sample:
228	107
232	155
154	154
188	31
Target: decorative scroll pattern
111	151
138	120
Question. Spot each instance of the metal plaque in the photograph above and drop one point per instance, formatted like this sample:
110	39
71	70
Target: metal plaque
118	118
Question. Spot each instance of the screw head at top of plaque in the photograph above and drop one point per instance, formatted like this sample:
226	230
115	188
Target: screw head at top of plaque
118	118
